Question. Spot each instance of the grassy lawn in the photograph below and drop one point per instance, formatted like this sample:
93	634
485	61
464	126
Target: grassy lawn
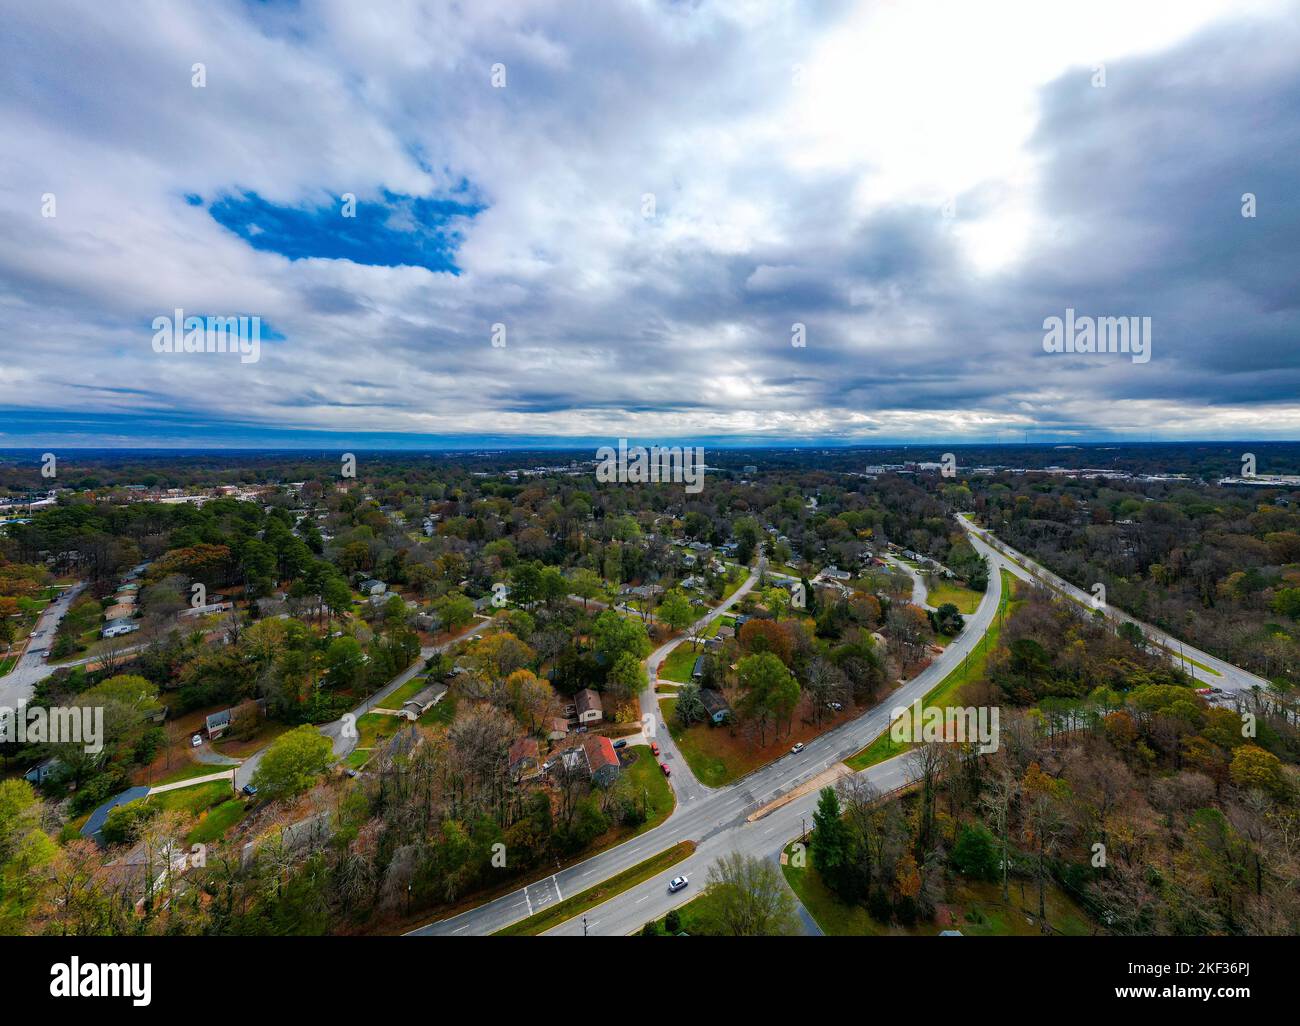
885	747
732	585
696	916
966	600
213	823
372	728
406	692
717	757
652	784
7	664
184	771
193	800
442	713
357	758
562	911
679	663
710	768
975	907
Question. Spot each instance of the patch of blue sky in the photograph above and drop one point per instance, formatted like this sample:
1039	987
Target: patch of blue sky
395	231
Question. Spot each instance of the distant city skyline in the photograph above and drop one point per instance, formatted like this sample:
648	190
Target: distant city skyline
725	224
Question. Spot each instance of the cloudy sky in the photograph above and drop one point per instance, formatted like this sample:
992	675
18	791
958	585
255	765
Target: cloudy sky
649	196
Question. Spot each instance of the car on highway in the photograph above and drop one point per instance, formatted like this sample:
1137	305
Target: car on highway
654	747
797	748
676	884
664	766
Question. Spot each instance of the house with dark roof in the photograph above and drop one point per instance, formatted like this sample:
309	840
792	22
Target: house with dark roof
216	724
589	706
697	671
715	704
421	702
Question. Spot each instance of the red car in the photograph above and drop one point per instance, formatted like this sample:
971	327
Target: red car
664	766
654	747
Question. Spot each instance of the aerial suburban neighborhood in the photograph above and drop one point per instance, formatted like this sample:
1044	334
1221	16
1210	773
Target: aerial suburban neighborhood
714	469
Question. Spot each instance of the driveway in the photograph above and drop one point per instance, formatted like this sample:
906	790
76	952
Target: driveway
920	593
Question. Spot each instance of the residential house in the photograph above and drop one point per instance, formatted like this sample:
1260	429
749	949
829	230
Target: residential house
43	770
602	760
559	729
372	587
217	724
589	707
421	702
207	610
715	704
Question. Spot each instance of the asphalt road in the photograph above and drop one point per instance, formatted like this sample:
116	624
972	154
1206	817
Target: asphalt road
684	784
1230	678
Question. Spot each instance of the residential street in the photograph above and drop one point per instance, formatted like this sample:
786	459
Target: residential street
683	781
33	666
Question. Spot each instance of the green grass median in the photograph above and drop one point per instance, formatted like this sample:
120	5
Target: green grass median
563	911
